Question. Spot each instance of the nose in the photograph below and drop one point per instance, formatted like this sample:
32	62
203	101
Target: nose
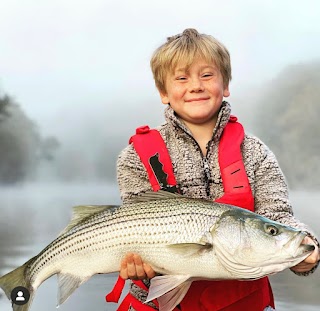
196	85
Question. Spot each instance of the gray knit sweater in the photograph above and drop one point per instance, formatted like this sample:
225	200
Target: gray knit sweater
266	179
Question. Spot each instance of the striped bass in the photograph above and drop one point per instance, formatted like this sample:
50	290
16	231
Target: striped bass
183	239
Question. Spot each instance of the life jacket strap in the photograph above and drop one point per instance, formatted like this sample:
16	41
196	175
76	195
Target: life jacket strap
129	300
116	292
237	190
153	153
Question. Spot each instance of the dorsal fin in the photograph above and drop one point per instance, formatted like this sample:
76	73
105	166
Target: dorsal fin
81	212
156	195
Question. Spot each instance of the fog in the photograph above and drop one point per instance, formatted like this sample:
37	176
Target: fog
81	72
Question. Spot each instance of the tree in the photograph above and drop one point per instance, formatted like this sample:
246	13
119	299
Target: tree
288	122
21	145
4	104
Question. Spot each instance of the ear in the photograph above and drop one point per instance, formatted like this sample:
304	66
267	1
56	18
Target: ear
164	97
226	91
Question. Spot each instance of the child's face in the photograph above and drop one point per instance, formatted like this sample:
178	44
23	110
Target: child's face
195	94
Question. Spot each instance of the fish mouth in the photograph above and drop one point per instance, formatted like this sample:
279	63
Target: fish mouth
301	249
308	247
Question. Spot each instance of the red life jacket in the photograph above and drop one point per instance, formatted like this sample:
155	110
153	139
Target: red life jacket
230	295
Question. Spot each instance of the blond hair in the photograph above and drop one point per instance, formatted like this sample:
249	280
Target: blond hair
185	48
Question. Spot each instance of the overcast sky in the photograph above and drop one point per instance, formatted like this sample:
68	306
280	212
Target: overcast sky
85	64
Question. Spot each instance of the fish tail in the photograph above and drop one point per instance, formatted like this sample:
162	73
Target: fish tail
17	278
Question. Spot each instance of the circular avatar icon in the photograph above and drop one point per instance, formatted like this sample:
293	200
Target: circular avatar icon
20	295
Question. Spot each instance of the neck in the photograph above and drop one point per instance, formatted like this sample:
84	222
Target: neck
202	133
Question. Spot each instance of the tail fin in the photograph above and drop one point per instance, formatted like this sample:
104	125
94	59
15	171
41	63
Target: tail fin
14	279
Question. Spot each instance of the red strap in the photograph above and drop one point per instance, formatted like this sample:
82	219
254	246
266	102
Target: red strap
116	292
129	300
132	301
233	175
149	143
237	190
140	284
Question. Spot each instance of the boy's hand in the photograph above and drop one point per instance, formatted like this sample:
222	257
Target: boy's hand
311	261
132	267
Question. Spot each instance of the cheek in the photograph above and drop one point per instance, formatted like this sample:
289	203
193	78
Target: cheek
176	93
217	89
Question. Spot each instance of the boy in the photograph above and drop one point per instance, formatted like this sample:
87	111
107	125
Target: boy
192	72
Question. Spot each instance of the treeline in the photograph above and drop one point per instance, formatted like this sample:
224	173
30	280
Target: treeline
285	113
22	147
288	121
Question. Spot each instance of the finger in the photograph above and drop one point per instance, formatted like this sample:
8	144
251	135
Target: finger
298	269
313	257
149	271
123	269
131	267
140	273
303	267
307	240
302	270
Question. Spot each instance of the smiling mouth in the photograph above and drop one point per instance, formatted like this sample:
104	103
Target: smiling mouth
196	99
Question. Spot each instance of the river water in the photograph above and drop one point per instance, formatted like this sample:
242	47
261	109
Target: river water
32	215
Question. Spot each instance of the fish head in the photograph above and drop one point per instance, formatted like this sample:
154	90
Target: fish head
253	246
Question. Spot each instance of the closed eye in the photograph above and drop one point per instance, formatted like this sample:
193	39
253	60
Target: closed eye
207	75
181	78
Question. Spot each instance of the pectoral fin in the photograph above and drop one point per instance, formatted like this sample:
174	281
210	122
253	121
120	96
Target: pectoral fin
169	290
189	249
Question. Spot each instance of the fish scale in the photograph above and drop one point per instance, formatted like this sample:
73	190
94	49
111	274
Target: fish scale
132	224
180	237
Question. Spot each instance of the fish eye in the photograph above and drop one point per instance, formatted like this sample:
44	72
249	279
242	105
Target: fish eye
272	230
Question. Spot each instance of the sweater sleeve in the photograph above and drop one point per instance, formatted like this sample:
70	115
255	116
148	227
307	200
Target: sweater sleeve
131	174
271	194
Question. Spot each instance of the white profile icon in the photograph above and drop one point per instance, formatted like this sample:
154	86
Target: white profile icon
20	296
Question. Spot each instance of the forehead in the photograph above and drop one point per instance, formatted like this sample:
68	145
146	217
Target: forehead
198	65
